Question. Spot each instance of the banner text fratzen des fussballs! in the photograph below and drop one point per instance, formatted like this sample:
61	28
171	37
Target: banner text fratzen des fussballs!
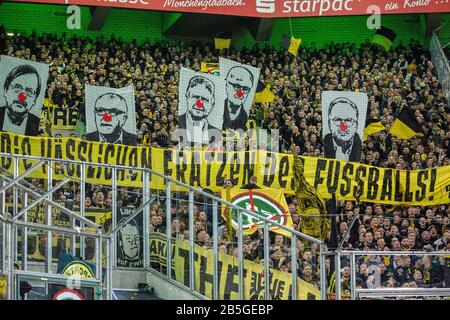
209	170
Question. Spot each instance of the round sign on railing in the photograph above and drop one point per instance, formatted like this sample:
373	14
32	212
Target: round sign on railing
68	294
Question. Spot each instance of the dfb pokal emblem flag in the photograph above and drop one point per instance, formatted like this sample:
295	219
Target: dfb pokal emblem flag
241	81
22	86
343	120
266	203
110	115
201	105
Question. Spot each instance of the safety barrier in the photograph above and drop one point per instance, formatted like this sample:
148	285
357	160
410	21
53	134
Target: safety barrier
124	245
377	289
441	65
207	273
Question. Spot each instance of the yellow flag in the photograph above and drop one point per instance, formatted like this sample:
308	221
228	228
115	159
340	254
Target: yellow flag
222	43
223	40
264	96
294	46
310	203
144	140
373	126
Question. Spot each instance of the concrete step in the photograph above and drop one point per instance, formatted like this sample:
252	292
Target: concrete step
134	295
126	283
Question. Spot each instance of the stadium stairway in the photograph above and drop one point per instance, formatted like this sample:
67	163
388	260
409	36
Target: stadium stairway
126	285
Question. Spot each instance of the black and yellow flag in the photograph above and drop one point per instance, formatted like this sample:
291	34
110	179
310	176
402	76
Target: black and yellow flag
406	125
373	126
223	40
263	93
384	37
294	46
144	140
311	207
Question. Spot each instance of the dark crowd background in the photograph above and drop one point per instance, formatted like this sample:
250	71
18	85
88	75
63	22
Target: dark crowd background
404	76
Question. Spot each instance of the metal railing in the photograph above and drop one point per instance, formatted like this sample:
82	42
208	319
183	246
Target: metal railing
377	289
147	199
441	65
11	224
402	292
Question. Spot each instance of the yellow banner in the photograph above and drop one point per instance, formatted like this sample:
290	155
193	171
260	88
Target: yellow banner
209	170
280	282
210	67
64	119
3	286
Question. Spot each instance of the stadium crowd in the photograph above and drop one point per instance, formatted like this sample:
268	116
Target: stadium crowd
401	77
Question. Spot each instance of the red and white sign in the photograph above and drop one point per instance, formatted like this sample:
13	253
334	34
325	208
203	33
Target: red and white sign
270	8
68	294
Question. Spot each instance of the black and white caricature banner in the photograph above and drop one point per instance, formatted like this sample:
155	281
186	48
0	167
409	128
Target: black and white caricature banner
22	86
343	119
241	81
201	100
110	115
130	249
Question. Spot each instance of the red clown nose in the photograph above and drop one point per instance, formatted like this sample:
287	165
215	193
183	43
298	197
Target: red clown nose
240	93
107	117
343	127
199	103
22	97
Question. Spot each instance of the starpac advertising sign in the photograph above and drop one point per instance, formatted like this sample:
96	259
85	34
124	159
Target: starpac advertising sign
270	8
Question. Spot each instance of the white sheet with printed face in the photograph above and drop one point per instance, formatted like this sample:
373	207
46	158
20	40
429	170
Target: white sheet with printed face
241	81
343	116
22	89
201	99
107	108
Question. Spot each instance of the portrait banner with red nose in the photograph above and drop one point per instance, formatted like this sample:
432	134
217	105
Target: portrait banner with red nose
22	86
201	99
130	238
110	115
241	81
343	120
